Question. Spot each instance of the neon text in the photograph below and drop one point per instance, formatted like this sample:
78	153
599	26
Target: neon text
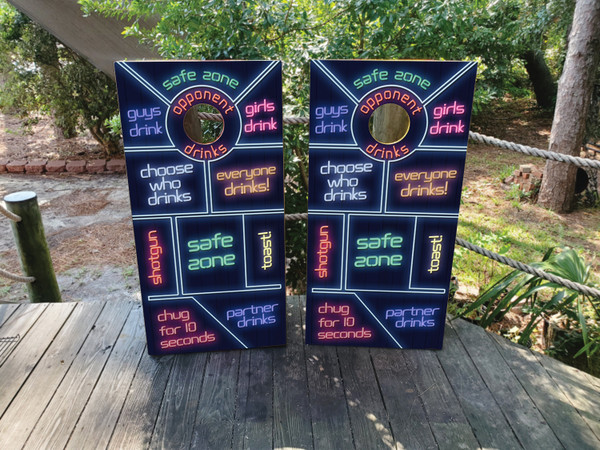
197	96
155	252
220	78
436	252
375	100
372	77
253	315
265	238
258	107
178	79
375	243
445	110
377	151
412	317
447	128
323	253
218	241
144	113
211	152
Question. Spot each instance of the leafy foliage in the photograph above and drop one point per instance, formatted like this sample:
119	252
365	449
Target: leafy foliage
42	75
493	33
542	299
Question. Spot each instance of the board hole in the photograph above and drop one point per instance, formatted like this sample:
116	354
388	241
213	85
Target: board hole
203	130
389	123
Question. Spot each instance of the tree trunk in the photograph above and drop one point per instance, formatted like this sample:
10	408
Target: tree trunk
574	94
544	86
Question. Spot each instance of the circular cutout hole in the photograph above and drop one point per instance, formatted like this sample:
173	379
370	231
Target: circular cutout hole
202	130
389	123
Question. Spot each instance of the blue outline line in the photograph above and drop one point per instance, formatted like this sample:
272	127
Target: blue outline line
333	146
203	215
412	257
245	256
454	78
276	145
144	82
219	322
150	148
255	82
385	188
320	65
176	258
208	188
456	149
388	213
378	321
344	255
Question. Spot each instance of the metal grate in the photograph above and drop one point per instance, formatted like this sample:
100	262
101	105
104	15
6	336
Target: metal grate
7	344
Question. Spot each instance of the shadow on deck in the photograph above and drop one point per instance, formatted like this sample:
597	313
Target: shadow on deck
79	376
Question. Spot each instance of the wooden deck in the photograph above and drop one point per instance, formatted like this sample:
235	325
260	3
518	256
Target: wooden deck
76	375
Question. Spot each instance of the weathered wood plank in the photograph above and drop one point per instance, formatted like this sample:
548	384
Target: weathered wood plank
253	424
36	393
18	366
101	413
444	412
562	417
136	423
410	427
329	413
368	416
292	423
175	422
575	385
215	414
526	421
58	420
6	310
482	411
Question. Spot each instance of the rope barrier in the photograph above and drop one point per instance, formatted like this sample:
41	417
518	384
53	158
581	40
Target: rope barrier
532	151
592	292
5	212
476	137
530	270
13	277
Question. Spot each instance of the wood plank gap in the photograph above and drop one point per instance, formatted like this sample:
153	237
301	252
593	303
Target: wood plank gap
138	418
411	429
444	412
36	393
18	367
19	324
177	414
6	311
573	383
99	417
369	420
527	422
331	422
62	413
490	425
563	418
216	405
292	423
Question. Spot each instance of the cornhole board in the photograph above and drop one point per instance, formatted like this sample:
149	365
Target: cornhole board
207	208
383	210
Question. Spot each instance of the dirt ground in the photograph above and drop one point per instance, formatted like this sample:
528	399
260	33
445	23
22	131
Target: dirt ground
87	218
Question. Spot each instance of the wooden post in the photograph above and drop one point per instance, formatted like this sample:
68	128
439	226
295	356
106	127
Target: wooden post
32	246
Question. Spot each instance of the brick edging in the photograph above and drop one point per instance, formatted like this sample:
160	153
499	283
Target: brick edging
39	166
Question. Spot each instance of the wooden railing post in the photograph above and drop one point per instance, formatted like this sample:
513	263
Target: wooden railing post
32	247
